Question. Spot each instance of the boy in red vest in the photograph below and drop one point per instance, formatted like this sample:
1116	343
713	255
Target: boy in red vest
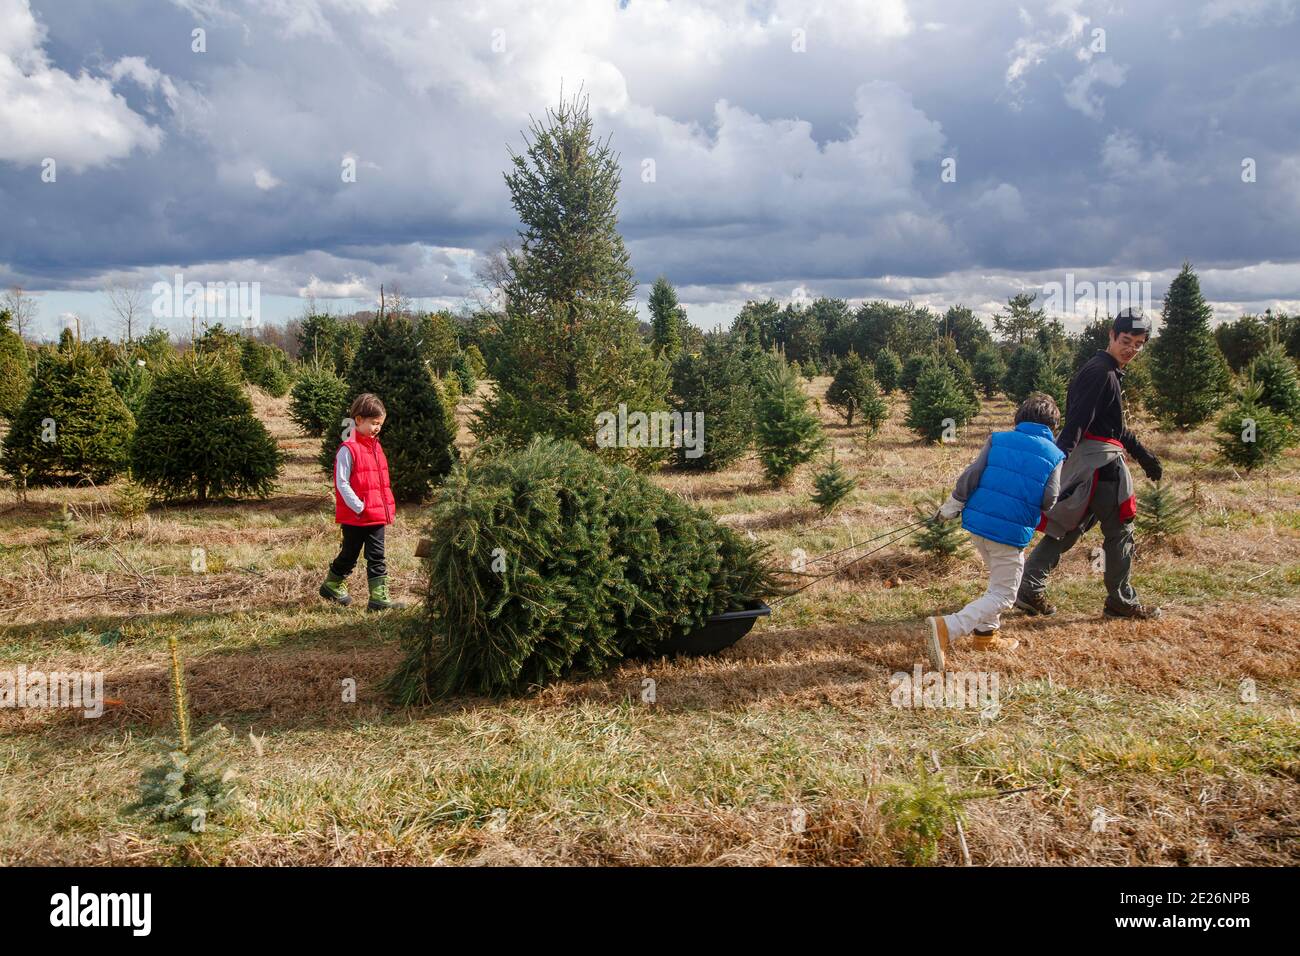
363	505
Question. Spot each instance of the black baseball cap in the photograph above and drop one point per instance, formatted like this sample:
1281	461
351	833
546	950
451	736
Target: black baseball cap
1133	322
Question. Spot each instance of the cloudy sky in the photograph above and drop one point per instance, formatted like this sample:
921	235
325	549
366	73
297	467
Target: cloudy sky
769	147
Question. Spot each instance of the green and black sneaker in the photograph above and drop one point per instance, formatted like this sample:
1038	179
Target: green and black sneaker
380	600
335	589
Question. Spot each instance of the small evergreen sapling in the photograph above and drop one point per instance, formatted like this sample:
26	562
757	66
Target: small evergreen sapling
912	370
1251	434
937	403
463	369
989	369
316	396
832	485
193	785
131	501
853	385
875	411
920	812
788	434
888	368
476	361
941	541
1161	514
450	384
1275	373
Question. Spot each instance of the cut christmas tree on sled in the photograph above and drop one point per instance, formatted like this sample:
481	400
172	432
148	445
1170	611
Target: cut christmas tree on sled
547	562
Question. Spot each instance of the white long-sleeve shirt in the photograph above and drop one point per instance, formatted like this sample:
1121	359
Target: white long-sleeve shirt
342	480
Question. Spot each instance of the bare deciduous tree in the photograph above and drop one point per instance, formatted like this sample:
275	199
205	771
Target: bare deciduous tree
397	302
492	273
21	306
128	304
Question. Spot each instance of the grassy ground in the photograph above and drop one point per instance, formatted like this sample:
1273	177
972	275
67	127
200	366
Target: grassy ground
1132	739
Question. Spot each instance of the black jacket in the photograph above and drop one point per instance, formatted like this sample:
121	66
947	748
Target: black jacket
1095	406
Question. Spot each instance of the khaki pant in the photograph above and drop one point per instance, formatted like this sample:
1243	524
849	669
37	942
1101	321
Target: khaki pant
1005	563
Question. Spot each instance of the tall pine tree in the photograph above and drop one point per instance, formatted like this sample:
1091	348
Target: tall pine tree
1188	372
1021	321
665	318
569	346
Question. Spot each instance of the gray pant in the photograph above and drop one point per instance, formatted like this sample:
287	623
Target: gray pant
1118	546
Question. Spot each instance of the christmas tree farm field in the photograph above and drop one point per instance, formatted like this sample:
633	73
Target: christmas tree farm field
782	749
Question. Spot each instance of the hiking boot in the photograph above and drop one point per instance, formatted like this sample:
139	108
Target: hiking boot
335	589
1134	612
1035	604
380	600
937	642
989	641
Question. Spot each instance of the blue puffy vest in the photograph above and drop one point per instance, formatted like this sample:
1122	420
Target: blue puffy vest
1007	504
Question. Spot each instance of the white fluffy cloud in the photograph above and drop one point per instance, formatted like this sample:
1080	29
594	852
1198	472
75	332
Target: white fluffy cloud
45	112
1079	94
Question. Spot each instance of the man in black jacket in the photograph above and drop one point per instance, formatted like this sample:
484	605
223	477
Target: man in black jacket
1094	415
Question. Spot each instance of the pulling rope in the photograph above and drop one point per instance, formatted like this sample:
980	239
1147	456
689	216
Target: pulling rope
902	533
854	547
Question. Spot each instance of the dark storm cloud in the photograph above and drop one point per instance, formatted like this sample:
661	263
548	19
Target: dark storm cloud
792	143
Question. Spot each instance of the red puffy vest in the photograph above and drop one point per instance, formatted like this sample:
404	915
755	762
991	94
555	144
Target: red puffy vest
370	481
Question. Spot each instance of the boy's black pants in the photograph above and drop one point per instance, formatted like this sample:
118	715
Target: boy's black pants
356	537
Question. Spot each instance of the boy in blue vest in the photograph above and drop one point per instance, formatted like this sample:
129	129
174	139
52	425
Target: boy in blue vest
1001	496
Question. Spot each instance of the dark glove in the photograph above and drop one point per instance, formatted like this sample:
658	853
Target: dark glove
1151	465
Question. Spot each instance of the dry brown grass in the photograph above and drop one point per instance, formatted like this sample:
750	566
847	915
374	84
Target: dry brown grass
1142	720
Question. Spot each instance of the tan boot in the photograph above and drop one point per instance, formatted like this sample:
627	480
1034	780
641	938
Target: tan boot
937	642
990	641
